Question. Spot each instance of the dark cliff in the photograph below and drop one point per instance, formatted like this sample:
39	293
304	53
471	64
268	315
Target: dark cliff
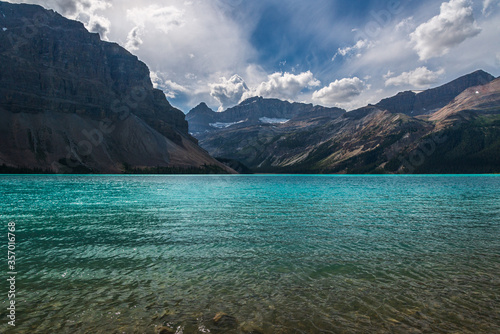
68	98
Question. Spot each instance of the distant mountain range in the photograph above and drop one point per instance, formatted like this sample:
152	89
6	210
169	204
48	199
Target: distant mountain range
70	102
254	111
454	128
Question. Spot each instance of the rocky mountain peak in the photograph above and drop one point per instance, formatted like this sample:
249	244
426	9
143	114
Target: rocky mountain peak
202	108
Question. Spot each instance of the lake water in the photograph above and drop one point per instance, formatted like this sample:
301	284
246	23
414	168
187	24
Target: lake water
277	254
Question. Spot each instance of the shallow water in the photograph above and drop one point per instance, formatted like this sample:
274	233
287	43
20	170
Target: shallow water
280	254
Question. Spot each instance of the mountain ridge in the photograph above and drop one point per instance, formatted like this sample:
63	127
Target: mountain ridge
430	100
374	139
253	111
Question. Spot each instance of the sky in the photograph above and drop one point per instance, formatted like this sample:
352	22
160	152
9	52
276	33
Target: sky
333	53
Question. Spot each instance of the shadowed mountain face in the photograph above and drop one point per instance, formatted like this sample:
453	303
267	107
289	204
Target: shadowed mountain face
461	137
71	102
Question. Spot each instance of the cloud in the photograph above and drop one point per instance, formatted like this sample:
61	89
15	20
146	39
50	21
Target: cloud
486	6
134	40
161	18
361	44
228	92
84	11
285	86
419	78
193	45
406	24
454	24
100	25
67	7
170	88
340	91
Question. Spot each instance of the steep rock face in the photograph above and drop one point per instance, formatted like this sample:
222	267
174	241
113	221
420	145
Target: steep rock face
65	93
426	102
253	111
51	63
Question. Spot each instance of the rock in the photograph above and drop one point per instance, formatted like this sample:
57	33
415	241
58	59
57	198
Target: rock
164	330
250	329
165	314
223	320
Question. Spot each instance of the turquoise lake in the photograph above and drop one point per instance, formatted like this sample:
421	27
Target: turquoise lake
277	254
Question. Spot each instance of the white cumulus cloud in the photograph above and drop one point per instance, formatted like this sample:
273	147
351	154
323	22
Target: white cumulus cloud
340	91
285	86
454	24
228	92
420	78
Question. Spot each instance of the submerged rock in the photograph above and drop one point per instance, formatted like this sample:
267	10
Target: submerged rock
250	328
223	320
252	331
164	330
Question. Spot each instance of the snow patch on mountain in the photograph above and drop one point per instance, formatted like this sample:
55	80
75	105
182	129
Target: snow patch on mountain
273	120
220	125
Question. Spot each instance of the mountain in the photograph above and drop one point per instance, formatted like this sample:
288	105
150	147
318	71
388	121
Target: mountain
253	111
461	137
470	130
426	102
316	145
70	102
481	100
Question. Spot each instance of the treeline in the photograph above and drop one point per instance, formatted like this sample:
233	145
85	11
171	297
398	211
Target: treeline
204	169
4	169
